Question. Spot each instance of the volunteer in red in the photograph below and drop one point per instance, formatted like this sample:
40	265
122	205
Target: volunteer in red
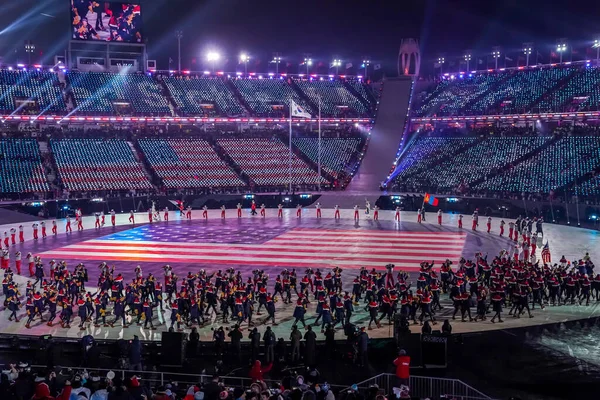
402	363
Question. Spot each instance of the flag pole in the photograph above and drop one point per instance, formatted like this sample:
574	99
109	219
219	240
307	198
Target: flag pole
290	145
319	153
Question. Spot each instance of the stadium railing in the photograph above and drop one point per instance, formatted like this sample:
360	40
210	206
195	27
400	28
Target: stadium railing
425	386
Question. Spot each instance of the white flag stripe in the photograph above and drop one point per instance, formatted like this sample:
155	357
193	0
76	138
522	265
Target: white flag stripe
271	245
340	232
243	258
372	241
276	250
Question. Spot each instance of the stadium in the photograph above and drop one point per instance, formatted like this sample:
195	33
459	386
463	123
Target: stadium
238	225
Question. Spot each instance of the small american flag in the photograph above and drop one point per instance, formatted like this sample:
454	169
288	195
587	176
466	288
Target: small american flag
546	256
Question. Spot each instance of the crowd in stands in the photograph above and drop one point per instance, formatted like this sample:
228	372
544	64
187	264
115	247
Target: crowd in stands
266	162
42	87
103	93
183	163
547	89
21	169
100	92
496	161
99	162
269	97
89	164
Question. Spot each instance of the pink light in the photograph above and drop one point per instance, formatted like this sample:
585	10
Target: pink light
331	76
206	72
220	73
37	65
252	73
359	76
186	72
283	74
20	65
271	74
314	75
238	73
300	75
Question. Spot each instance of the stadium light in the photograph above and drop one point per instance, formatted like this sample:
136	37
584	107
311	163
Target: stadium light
213	57
29	49
308	63
365	65
496	54
336	63
596	46
441	61
276	60
468	60
527	49
561	47
245	58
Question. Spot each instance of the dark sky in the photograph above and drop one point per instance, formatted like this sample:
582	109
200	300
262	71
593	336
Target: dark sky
326	29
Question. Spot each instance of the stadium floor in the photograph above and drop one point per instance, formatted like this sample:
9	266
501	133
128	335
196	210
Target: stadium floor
273	244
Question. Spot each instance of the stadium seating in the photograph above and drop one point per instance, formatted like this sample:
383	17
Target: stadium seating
588	188
21	168
363	90
337	154
95	92
518	93
188	164
266	162
196	96
477	161
452	97
552	168
336	99
581	93
91	164
423	152
41	86
268	97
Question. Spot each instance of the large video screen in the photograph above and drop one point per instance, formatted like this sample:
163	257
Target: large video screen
106	21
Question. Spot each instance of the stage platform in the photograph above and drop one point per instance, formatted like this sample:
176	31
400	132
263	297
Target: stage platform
272	244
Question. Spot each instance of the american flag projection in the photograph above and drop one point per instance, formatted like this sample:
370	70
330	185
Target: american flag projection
298	247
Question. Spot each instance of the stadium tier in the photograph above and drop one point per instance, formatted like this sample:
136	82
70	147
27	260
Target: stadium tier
203	96
30	92
106	93
266	162
268	97
423	152
476	162
21	169
336	99
337	154
182	163
94	165
548	89
557	165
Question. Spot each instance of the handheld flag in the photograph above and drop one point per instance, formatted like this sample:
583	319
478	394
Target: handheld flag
431	200
297	111
546	256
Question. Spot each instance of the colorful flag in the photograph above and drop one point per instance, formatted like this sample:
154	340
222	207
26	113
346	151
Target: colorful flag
298	111
348	65
546	256
315	248
431	200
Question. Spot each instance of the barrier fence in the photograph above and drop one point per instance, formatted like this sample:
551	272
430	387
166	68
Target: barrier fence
420	386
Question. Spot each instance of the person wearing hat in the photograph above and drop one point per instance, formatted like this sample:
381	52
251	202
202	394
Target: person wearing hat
42	391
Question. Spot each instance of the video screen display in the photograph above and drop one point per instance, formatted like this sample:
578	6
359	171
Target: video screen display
106	21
